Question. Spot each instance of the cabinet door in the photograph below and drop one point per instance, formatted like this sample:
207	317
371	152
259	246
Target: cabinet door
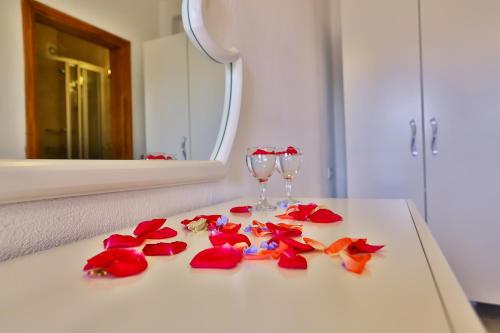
461	64
206	102
381	67
166	95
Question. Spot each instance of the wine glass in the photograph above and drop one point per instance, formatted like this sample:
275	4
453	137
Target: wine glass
288	163
261	162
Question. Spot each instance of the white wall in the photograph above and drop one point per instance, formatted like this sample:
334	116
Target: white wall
167	10
284	102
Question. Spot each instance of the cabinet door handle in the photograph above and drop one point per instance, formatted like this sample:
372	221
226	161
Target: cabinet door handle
413	143
434	127
183	147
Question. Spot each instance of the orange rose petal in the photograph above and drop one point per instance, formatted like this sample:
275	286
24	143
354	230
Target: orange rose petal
261	255
355	263
285	217
258	224
290	226
338	245
281	247
259	232
315	244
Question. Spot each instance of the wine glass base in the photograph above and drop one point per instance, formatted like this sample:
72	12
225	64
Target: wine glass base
264	206
288	202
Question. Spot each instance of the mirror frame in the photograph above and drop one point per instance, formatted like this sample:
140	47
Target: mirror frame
28	180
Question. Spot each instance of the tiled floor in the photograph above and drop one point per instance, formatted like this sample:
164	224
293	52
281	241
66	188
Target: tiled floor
490	315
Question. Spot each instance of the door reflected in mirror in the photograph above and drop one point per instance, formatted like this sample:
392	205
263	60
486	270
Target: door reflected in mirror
108	79
73	97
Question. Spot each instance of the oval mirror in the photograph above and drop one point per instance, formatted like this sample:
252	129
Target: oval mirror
107	79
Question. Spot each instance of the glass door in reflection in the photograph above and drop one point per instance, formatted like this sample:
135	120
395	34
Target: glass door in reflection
73	96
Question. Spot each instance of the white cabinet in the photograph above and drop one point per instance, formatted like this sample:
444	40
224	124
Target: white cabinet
184	98
166	95
445	54
382	96
461	63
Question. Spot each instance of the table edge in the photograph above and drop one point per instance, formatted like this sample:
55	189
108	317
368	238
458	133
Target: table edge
460	314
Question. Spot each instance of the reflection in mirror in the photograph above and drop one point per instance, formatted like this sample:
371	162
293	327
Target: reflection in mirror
184	98
109	79
73	92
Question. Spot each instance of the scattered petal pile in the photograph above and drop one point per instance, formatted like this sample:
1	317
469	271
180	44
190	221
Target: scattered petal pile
260	229
229	247
355	253
228	244
118	261
310	212
211	222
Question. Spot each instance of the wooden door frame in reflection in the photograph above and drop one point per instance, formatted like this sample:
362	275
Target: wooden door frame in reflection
121	84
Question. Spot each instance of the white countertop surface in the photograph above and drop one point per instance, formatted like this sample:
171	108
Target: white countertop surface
49	292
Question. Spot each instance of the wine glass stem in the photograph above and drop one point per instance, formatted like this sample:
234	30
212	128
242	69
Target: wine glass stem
263	190
288	188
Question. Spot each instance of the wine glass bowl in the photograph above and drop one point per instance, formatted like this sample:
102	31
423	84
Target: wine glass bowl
288	162
261	162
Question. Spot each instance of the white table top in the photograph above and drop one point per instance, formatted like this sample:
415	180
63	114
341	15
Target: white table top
49	292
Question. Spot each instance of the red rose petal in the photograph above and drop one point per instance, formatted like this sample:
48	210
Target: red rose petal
209	218
283	229
155	157
324	216
296	245
289	259
361	246
117	241
100	260
217	257
241	209
221	238
298	212
262	152
291	150
147	226
299	215
163	233
307	208
164	249
118	262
